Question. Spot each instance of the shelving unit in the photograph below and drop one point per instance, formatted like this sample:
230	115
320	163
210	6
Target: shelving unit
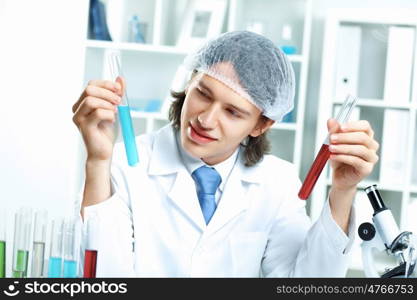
379	103
374	26
150	68
124	46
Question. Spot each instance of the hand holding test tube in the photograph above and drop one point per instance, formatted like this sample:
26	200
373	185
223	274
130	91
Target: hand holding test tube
124	114
324	153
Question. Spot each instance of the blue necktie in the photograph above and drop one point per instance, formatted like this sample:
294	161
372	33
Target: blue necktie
207	181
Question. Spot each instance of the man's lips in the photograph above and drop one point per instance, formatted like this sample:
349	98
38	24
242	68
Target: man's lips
201	133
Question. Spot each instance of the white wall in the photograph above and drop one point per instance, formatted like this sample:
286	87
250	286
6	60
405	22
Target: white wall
41	72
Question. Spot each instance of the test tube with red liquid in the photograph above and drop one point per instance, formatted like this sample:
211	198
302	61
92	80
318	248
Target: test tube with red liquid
90	254
324	153
90	263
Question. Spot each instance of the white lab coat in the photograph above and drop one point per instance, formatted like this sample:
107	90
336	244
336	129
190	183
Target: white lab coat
153	226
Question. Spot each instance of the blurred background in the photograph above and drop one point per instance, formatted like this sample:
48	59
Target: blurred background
51	49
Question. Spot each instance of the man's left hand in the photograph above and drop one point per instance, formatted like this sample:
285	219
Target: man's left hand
352	152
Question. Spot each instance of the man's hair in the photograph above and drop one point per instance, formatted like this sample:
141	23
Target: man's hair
255	147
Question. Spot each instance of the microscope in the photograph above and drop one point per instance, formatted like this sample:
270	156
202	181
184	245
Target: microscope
383	235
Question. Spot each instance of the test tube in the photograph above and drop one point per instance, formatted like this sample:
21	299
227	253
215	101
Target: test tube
23	227
70	249
55	258
324	153
124	114
39	239
3	222
91	253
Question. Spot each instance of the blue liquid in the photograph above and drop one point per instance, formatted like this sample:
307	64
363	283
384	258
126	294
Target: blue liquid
128	135
70	269
54	267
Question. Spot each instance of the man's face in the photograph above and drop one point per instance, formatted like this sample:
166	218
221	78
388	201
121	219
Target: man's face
215	120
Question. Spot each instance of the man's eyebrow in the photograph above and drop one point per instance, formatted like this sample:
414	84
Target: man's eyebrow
204	86
240	110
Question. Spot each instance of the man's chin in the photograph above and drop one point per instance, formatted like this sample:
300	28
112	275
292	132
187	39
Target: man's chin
193	150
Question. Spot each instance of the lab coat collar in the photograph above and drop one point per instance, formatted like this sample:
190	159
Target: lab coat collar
251	174
165	158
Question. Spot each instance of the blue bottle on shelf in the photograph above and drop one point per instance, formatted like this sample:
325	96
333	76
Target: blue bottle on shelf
97	23
136	30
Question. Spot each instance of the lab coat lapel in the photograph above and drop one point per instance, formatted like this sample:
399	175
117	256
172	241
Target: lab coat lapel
183	194
180	187
233	201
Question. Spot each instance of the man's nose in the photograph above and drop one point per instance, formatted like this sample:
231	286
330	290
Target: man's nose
209	117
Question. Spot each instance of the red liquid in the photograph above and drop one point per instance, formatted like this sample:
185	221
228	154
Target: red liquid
90	263
314	172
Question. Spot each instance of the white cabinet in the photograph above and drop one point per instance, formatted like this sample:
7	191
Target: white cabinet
150	67
387	43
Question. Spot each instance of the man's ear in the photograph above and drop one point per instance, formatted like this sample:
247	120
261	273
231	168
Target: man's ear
263	125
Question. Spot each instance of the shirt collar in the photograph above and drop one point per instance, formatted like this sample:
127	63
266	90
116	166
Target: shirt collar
166	159
192	163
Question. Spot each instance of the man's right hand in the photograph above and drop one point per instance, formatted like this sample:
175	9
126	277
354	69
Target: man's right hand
95	116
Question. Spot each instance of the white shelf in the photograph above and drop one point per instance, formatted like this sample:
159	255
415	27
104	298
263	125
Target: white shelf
135	47
285	126
296	58
379	103
160	116
157	48
381	186
413	188
148	115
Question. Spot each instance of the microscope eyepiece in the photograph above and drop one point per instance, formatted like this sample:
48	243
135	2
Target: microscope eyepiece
375	199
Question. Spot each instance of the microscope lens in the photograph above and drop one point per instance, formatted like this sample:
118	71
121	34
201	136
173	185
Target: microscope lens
375	198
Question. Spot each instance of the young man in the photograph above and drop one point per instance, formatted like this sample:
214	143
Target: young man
205	199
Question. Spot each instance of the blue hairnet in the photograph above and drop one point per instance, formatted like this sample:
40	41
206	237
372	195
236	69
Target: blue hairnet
252	66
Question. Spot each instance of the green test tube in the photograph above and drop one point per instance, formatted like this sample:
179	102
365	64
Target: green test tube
22	234
3	223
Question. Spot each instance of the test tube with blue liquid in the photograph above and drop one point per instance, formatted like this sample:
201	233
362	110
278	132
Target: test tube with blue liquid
55	258
124	114
22	237
70	249
3	223
39	239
